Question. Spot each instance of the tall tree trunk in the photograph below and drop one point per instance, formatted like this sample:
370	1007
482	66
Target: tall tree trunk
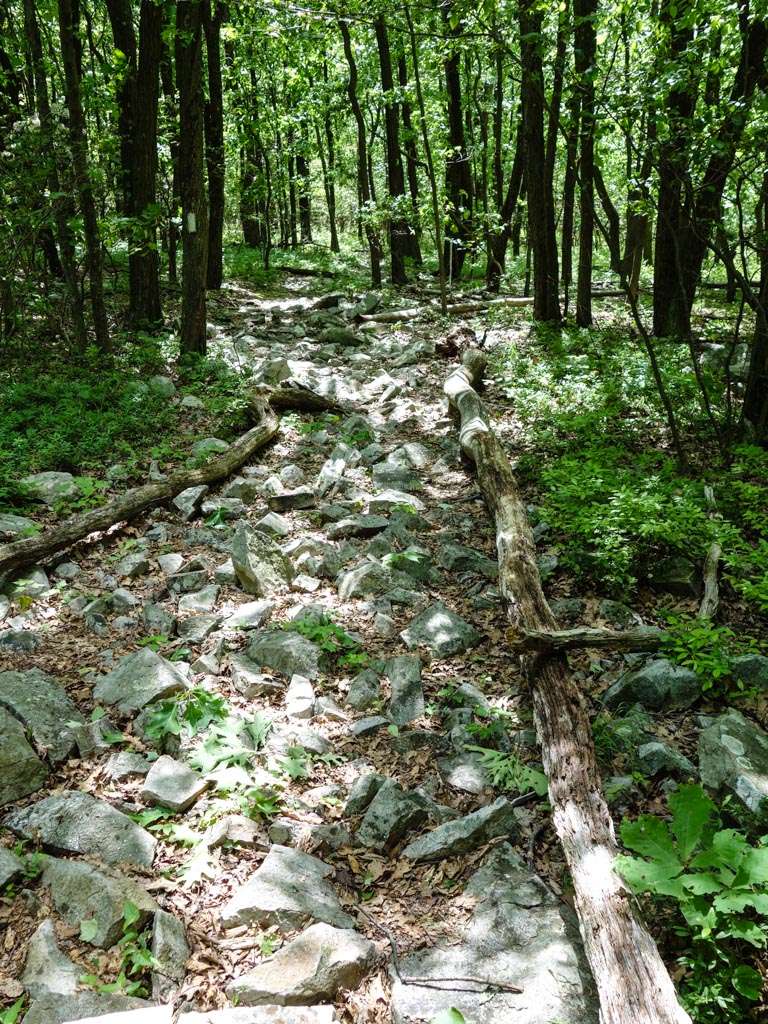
69	26
304	186
194	207
541	205
214	142
508	215
569	193
458	170
411	158
755	408
399	228
329	171
585	46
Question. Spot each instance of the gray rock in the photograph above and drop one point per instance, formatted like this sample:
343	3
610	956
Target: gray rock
368	578
274	525
733	756
250	615
16	526
655	757
458	558
10	866
50	487
192	403
390	476
261	567
389	500
442	631
81	893
324	1014
67	571
390	815
286	652
187	501
46	968
94	737
224	509
122	599
363	790
248	678
677	575
358	526
404	674
367	726
134	564
171	952
189	580
200	600
300	698
364	690
87	1008
162	386
342	336
297	498
42	706
170	563
751	671
568	610
172	784
139	679
158	620
617	614
657	685
465	772
310	969
196	628
21	770
225	574
287	890
22	640
517	932
465	834
79	823
33	584
126	765
203	449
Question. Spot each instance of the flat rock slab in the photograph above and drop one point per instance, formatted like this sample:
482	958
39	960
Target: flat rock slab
10	866
139	679
286	652
390	815
733	755
21	770
518	933
465	834
250	615
171	784
46	969
78	823
458	558
442	631
404	674
464	772
54	1008
657	685
51	487
171	952
310	969
260	566
41	704
265	1015
288	889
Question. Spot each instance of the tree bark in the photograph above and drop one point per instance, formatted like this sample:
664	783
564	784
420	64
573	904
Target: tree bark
633	984
411	159
458	170
304	186
214	142
585	46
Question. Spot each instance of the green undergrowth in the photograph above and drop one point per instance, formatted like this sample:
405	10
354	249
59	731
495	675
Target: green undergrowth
245	263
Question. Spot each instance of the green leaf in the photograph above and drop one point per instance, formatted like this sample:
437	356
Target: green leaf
649	876
701	884
650	837
691	810
748	982
452	1016
88	929
131	914
13	1013
737	902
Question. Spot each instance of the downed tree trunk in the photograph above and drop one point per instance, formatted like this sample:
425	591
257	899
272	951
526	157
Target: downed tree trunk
644	638
304	271
392	316
633	984
292	394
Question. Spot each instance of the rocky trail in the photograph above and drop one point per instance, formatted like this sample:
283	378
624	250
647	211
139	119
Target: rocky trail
242	731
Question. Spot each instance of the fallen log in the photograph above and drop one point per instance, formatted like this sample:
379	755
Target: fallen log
304	271
392	316
633	984
644	638
293	394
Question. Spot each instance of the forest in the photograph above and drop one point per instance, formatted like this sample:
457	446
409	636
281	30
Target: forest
383	512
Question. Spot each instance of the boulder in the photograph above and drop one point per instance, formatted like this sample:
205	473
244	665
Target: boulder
261	567
368	578
310	969
139	679
733	757
171	952
187	501
750	671
10	866
50	487
657	685
13	527
286	652
442	631
42	705
363	790
172	784
407	703
390	815
21	770
46	968
458	558
463	835
85	1006
364	690
655	757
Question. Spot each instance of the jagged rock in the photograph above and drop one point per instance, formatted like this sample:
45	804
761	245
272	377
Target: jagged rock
42	705
88	1008
518	932
617	614
297	498
364	690
50	487
677	575
404	674
390	814
366	726
390	476
150	1015
657	685
133	565
342	336
126	765
265	1015
139	679
299	698
196	628
158	620
261	567
274	525
33	584
21	770
223	508
366	579
67	571
200	600
388	501
237	829
286	652
465	772
94	737
170	563
248	678
188	500
12	526
363	790
733	756
193	578
47	969
79	823
19	640
442	631
225	574
10	866
250	615
310	969
81	893
751	671
208	446
655	757
358	526
568	610
458	558
287	890
171	952
465	834
172	784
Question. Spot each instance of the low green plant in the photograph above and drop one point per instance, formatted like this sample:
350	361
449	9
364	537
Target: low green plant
491	723
337	646
615	735
705	648
136	958
230	741
507	772
12	1015
296	764
188	713
260	803
719	883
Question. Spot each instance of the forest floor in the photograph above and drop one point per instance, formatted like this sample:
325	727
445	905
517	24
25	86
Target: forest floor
359	705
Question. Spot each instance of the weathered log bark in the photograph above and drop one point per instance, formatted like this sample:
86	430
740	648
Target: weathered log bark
633	984
645	638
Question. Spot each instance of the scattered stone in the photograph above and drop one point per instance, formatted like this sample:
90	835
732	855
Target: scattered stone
158	620
78	823
50	487
42	706
133	565
404	674
298	498
188	500
172	784
150	1015
363	790
224	509
288	889
358	526
189	580
364	690
21	640
87	1007
568	610
367	726
16	526
388	501
751	671
21	770
465	772
442	631
248	678
200	600
465	834
733	755
170	563
324	1014
171	952
122	599
286	652
274	525
35	584
677	575
657	685
261	567
203	449
67	571
617	614
341	336
47	969
368	578
458	558
126	765
390	815
656	757
81	893
238	830
390	476
10	866
225	574
250	615
311	968
94	737
299	698
139	679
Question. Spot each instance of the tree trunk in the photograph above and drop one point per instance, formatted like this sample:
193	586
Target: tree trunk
458	170
304	186
508	215
411	158
214	142
171	114
194	207
69	27
585	45
329	171
569	192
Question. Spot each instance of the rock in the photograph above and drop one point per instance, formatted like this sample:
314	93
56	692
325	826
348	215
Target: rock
78	823
250	615
391	814
274	525
224	509
171	784
656	757
657	685
21	640
81	893
407	703
170	563
192	403
287	890
458	558
342	336
34	584
126	765
47	969
188	500
10	866
750	671
133	565
442	631
310	969
388	501
171	952
225	574
617	614
163	387
238	830
12	526
200	600
150	1015
325	1014
158	620
363	790
518	932
122	599
299	698
364	690
188	581
139	679
94	737
733	756
358	526
42	706
248	678
21	770
67	571
286	652
677	575
367	726
85	1007
390	476
368	578
465	772
299	497
49	488
261	567
202	450
568	610
245	490
465	834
